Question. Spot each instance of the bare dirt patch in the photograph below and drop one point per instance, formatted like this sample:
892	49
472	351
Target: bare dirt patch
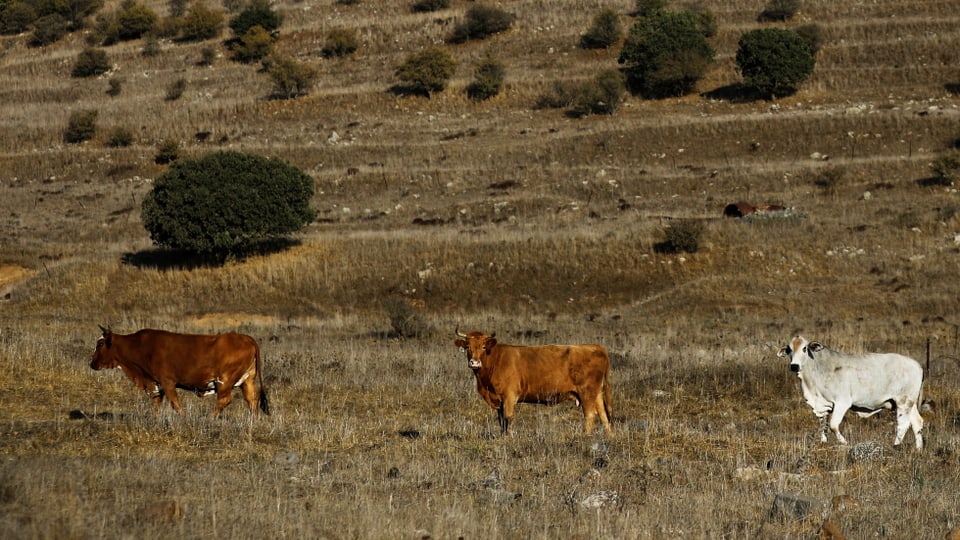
232	320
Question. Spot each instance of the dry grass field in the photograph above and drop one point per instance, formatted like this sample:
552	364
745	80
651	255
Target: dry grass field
497	217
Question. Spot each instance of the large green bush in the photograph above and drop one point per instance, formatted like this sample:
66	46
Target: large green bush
132	21
427	71
226	203
17	17
48	29
666	53
252	46
773	61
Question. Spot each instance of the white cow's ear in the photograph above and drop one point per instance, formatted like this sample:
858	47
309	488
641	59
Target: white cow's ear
783	352
815	347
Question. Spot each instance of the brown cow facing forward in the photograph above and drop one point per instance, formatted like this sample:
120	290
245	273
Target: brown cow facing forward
511	374
159	362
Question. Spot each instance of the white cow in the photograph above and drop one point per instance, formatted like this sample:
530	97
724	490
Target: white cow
867	383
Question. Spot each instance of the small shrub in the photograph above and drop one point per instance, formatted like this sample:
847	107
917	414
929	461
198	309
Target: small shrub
119	137
201	23
779	10
829	179
423	6
605	31
405	320
946	169
290	77
706	20
480	22
488	79
168	151
340	42
151	47
257	13
176	89
562	94
81	126
427	71
90	63
114	87
48	29
348	2
207	56
602	95
252	46
681	236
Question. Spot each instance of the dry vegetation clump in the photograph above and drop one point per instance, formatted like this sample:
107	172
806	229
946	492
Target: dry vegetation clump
496	216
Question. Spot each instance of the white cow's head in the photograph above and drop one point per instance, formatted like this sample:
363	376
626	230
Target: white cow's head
799	351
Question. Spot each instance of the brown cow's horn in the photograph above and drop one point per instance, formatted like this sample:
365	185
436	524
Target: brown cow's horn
104	330
458	333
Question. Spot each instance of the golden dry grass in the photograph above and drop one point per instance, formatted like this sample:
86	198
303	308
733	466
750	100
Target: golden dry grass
543	230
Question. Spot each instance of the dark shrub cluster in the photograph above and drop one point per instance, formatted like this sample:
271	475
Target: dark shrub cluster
168	151
774	61
200	23
119	137
252	46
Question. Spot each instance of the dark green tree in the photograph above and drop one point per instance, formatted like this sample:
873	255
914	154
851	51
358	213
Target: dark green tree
666	53
17	17
427	71
774	61
227	203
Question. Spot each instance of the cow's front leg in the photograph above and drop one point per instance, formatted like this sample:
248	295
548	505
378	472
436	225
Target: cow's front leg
169	389
224	395
505	414
839	409
156	396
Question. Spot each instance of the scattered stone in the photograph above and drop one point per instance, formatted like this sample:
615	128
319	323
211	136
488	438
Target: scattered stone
787	507
601	499
865	451
286	458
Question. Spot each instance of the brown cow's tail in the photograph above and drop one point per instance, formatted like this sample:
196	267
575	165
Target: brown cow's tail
607	403
264	403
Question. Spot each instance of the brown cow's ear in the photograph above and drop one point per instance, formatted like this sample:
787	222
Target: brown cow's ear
490	343
460	343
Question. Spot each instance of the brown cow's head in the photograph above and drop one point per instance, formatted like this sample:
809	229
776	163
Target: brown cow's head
103	357
477	345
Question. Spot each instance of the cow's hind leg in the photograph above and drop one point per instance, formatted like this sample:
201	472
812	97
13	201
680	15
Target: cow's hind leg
907	416
169	389
250	394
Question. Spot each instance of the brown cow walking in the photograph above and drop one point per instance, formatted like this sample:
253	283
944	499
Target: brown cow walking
511	374
159	362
